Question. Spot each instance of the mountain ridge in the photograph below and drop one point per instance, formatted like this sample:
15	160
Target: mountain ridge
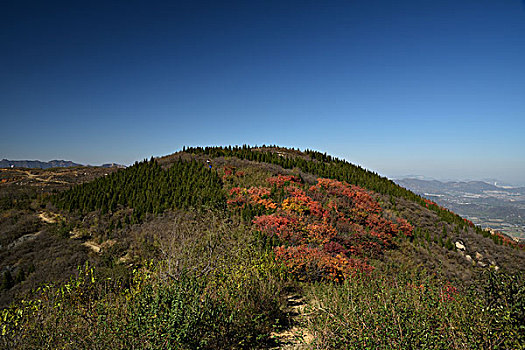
55	163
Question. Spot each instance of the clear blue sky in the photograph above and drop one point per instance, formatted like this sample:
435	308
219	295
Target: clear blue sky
400	87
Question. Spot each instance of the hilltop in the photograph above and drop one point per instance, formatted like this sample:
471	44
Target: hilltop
251	247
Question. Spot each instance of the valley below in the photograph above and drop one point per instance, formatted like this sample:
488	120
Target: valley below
489	206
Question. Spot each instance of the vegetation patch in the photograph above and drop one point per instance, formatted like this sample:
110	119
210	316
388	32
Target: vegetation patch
321	232
241	247
408	309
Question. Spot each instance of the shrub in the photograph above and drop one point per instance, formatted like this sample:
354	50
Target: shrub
393	309
213	289
326	238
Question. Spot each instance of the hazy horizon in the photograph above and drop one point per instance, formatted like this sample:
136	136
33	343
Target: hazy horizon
505	179
406	87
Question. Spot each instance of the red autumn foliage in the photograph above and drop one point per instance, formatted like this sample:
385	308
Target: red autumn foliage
300	202
506	240
333	247
326	230
404	227
468	222
429	203
239	197
287	229
280	181
314	264
230	173
360	198
448	293
433	205
320	233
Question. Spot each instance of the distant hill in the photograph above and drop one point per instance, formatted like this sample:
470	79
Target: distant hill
112	165
37	164
435	186
6	163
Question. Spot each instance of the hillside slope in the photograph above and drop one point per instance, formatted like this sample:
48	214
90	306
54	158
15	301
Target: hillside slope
205	248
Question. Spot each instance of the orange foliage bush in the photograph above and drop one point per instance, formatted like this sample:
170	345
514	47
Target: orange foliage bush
239	197
314	264
280	181
326	230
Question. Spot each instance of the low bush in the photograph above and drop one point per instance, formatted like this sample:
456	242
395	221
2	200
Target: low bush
401	310
214	288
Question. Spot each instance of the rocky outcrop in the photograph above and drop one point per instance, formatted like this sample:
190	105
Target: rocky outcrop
460	246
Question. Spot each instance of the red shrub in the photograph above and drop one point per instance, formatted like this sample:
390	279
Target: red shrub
326	230
308	263
283	180
287	229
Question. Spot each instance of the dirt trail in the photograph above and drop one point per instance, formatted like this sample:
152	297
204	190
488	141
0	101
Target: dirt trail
50	178
295	337
52	219
32	236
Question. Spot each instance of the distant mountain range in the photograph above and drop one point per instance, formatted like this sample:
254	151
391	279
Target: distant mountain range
37	164
439	187
491	181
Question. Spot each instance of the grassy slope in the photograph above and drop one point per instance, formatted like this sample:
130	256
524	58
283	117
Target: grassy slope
44	257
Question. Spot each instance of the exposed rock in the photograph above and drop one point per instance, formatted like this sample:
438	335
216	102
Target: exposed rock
460	245
24	238
468	257
125	259
478	256
48	218
93	246
481	264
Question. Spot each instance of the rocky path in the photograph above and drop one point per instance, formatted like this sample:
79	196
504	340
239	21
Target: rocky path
295	337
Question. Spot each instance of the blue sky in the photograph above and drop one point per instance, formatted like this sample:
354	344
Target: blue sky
400	87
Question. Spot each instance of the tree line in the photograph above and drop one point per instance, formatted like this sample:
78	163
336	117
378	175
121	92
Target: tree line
147	188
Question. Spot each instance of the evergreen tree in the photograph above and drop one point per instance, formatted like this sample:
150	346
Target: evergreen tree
7	280
148	189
